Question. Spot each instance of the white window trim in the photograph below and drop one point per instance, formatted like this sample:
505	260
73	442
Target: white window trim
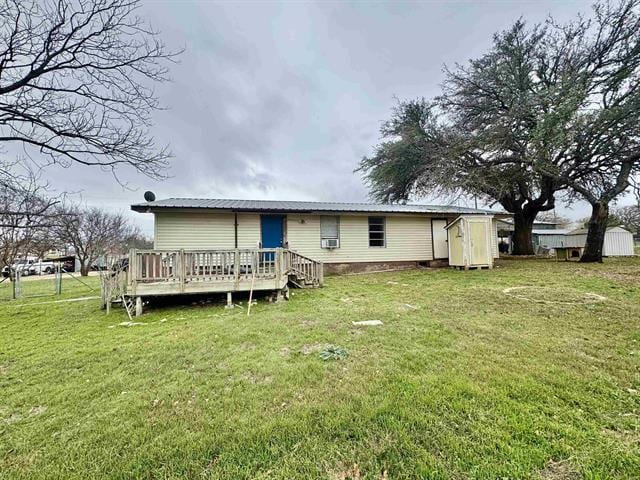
384	232
337	237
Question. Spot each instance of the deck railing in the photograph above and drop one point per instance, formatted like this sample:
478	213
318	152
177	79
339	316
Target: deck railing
308	268
210	266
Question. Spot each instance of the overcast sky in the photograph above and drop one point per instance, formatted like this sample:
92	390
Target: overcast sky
280	100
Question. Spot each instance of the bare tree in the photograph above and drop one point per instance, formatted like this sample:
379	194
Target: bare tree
76	82
25	202
137	240
552	216
629	217
27	213
93	233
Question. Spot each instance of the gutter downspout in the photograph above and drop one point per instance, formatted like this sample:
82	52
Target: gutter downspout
235	229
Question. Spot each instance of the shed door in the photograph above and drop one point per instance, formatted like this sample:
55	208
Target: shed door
479	247
439	238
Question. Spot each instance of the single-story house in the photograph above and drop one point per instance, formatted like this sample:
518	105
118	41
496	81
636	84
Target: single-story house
618	242
343	236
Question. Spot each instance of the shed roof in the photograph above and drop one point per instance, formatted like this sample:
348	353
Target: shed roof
544	231
584	231
295	206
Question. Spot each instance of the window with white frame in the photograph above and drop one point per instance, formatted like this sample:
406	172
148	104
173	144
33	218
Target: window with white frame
329	231
377	232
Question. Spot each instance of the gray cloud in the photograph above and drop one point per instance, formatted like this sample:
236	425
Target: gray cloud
282	100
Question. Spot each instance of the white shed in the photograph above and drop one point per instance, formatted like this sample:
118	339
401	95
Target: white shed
618	242
469	239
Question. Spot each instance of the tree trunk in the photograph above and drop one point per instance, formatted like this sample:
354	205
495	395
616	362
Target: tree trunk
84	269
597	230
522	233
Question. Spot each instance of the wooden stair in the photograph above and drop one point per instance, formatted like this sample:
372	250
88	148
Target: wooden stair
129	306
303	272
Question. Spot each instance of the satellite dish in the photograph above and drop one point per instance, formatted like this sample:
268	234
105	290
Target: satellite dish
149	196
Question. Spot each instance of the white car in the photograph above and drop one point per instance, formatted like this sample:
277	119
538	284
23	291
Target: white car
22	266
42	267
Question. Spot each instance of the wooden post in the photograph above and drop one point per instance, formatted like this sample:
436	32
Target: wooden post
132	273
229	300
138	306
236	268
182	271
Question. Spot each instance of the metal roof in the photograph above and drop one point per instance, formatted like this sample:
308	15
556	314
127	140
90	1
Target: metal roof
293	206
546	231
584	231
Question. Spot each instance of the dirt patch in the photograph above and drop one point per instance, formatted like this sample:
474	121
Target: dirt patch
626	437
353	473
622	274
37	410
553	295
558	471
310	348
256	379
285	351
13	418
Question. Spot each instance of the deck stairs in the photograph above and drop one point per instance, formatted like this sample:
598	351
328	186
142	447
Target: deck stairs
129	306
303	272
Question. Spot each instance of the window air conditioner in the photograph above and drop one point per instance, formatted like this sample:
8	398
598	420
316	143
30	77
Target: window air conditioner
330	243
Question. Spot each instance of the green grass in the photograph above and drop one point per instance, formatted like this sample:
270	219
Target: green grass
471	383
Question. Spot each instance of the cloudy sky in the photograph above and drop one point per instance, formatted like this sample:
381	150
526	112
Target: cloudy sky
280	100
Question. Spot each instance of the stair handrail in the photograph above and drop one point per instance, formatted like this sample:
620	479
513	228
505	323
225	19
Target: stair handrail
316	275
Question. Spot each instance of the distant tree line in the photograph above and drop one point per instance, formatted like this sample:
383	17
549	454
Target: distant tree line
76	88
552	110
90	233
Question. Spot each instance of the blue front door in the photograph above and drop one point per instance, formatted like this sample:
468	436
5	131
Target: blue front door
272	230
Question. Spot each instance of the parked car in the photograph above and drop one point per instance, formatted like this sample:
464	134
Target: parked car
20	265
42	267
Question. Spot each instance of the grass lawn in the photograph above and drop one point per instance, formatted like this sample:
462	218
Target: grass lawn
463	380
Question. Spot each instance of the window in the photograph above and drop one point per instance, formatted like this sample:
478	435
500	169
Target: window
329	227
329	232
376	232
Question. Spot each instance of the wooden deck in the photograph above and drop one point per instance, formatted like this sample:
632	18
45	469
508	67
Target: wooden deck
178	272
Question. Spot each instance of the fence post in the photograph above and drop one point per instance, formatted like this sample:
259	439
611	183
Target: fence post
58	280
15	284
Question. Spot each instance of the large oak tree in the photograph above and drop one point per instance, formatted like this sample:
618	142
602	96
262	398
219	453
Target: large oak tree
478	138
548	108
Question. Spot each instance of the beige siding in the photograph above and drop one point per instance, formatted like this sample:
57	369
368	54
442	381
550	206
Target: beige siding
248	230
408	238
494	238
194	230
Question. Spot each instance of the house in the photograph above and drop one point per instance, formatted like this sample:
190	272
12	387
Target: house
227	246
343	236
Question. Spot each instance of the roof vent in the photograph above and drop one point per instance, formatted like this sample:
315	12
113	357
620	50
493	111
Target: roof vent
149	196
